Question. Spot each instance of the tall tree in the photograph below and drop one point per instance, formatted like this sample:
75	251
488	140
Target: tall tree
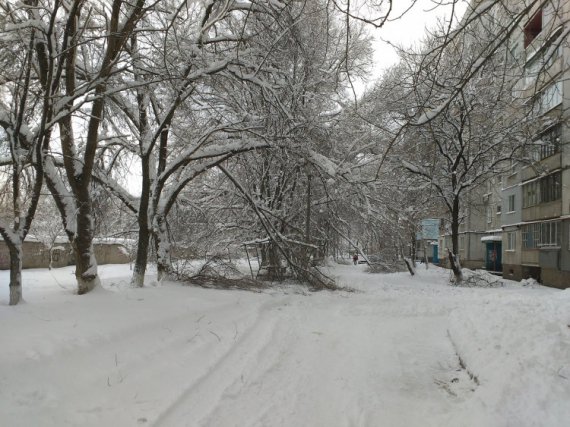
286	187
74	49
24	133
188	116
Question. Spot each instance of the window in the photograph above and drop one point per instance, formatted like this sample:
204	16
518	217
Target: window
549	141
548	99
543	190
461	243
530	194
514	53
552	96
531	69
552	53
511	202
489	215
542	60
550	234
511	240
533	28
551	187
499	208
541	235
530	236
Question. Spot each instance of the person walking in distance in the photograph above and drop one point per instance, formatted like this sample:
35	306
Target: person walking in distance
355	258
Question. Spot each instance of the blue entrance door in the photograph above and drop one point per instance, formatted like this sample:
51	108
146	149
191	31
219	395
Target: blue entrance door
493	256
435	258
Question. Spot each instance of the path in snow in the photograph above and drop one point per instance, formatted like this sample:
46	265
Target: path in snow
336	360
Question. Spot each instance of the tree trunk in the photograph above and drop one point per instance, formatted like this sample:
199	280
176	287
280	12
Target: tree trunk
141	259
15	273
85	262
413	250
455	227
274	263
308	222
162	243
410	266
454	257
455	267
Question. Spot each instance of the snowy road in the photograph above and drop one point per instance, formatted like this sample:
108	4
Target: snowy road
385	355
340	362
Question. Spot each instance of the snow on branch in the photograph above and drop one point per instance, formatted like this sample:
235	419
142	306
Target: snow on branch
62	196
197	152
415	169
8	234
168	198
430	114
116	189
323	163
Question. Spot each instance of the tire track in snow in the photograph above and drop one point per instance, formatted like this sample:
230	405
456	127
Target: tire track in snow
324	366
201	397
117	368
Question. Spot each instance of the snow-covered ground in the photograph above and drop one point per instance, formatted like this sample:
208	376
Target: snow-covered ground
400	351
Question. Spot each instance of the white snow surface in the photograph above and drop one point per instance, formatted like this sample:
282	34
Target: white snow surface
385	355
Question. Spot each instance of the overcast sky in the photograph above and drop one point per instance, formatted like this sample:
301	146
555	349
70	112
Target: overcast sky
407	30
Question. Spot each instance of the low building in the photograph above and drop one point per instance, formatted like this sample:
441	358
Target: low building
37	255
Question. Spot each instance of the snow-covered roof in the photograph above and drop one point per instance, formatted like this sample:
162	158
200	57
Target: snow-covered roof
96	240
492	239
114	241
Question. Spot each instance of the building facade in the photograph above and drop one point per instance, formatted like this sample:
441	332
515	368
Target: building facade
536	195
480	233
518	223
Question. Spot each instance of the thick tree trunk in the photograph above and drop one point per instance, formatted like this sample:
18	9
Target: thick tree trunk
454	257
15	273
85	268
162	243
455	232
455	267
85	262
141	259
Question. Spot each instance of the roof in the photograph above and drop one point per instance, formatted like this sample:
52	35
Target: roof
491	239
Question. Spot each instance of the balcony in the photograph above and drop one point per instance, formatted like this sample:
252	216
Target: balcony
533	83
547	164
542	40
543	211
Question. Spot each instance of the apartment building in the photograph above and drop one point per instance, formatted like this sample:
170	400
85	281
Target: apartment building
536	196
519	223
